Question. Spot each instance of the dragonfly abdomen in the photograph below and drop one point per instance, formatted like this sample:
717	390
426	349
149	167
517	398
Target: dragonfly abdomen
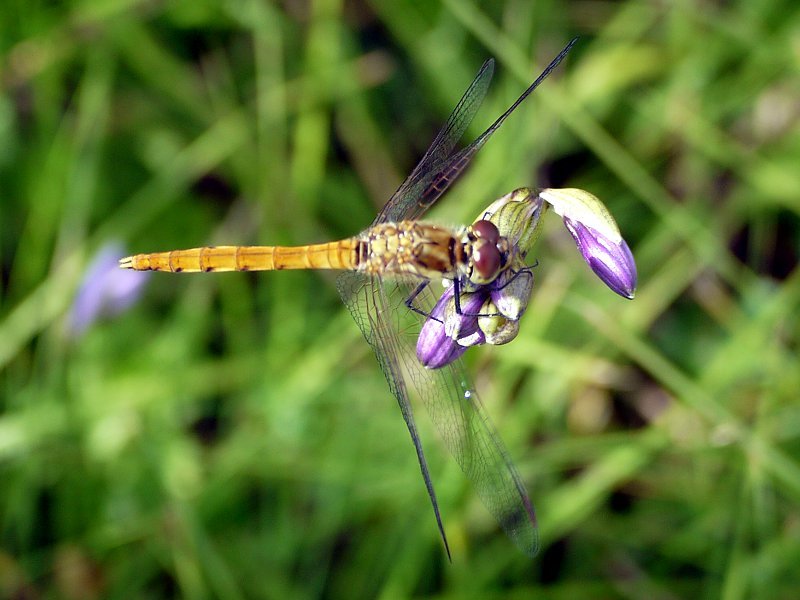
341	254
405	248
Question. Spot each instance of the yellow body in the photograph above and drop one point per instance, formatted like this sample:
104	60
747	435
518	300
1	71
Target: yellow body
408	247
333	255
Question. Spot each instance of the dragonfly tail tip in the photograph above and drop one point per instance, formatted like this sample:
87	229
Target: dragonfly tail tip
126	263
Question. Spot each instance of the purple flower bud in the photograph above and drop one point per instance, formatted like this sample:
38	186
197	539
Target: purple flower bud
106	290
508	298
446	334
611	260
597	237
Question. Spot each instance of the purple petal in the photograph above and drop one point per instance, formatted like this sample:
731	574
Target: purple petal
512	291
106	290
446	334
436	351
611	261
463	327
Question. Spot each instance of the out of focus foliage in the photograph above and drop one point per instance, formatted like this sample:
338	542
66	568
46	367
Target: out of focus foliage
232	436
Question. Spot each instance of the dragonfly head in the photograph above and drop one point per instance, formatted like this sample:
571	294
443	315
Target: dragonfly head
491	252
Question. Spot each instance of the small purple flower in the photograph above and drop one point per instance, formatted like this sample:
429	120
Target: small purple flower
106	290
490	312
611	261
446	335
489	315
597	236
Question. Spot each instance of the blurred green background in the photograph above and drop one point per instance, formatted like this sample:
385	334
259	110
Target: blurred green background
231	436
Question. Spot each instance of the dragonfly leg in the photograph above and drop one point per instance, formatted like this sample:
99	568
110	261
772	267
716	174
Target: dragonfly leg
523	271
457	298
409	302
526	271
457	295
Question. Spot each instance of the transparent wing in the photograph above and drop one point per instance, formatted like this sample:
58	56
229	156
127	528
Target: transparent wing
450	399
437	155
440	167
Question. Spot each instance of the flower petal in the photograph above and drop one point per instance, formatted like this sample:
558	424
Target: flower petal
517	217
463	327
512	291
446	335
585	208
498	330
611	260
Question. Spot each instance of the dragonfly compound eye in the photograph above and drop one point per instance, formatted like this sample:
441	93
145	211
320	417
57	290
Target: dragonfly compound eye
487	261
486	230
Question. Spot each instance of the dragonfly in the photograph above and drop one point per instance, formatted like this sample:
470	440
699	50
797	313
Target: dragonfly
386	274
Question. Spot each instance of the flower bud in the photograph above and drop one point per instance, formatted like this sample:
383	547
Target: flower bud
446	334
597	236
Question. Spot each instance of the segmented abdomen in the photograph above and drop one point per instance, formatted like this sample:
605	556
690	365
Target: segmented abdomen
408	247
332	255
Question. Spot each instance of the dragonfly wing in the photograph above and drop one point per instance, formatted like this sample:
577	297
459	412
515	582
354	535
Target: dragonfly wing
449	398
391	330
439	169
368	304
440	150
